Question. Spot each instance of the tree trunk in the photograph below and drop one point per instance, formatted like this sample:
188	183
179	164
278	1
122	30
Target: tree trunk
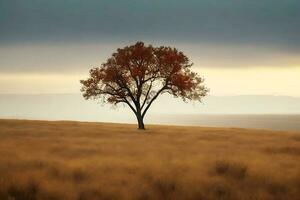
140	120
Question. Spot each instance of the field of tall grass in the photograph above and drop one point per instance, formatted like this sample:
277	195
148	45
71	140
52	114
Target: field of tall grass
41	160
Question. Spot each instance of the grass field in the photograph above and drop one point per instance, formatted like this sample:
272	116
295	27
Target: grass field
90	161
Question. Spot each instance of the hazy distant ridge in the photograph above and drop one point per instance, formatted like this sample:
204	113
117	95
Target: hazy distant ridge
69	104
164	111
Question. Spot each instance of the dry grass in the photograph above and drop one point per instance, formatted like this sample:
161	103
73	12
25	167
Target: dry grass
92	161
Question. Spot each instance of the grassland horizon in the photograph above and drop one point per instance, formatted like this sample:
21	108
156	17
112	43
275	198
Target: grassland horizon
90	161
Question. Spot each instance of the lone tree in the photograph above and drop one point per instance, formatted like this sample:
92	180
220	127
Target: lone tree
136	75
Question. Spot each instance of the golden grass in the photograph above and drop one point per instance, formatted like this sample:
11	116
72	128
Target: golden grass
91	161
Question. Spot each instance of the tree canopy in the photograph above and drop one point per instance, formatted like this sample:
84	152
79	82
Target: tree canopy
136	75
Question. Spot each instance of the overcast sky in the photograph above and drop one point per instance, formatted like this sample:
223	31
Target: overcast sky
272	23
255	43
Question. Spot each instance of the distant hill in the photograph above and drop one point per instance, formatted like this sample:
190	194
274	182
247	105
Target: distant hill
70	105
166	110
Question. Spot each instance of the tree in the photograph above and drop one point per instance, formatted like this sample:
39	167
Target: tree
136	75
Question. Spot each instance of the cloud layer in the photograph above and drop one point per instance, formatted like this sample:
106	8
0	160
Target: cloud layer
43	36
264	22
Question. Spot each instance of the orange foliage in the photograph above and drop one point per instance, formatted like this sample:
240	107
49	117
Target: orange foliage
130	74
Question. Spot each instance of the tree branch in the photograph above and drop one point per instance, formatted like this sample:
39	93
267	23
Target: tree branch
131	107
155	96
122	85
146	96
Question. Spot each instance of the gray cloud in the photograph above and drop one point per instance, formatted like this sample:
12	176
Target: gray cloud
72	35
80	57
274	23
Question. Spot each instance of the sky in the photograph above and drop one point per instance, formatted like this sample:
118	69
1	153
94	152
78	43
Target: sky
239	46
